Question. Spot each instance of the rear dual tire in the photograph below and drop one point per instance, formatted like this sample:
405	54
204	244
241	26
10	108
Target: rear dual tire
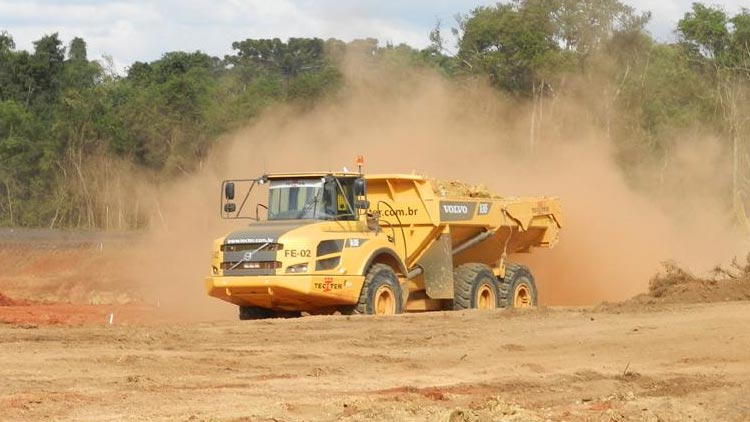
517	288
476	287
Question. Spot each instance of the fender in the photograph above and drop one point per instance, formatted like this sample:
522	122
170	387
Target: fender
381	251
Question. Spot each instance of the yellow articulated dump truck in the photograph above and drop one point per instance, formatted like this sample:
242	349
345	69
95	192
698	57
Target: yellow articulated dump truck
374	244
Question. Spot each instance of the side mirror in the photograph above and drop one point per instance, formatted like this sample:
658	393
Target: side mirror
229	191
362	205
359	187
230	207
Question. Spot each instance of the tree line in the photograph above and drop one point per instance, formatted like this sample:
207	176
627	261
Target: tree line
72	128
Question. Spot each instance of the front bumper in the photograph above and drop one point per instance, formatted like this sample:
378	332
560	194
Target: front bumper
287	292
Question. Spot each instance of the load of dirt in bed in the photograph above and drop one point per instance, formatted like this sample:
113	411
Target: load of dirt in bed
674	284
455	188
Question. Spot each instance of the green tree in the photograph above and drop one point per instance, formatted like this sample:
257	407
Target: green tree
78	72
511	43
46	68
524	45
19	157
720	48
77	50
275	56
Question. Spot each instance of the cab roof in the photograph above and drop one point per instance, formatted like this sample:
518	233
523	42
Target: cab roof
310	174
344	174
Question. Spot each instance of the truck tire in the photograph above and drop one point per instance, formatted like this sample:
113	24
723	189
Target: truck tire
474	287
253	312
517	289
381	293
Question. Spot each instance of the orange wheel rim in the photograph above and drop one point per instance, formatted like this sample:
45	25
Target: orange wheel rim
522	297
385	301
486	297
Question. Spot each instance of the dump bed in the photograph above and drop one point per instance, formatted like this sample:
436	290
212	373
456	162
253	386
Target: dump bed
476	226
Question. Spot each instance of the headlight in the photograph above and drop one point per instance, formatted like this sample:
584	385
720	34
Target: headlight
299	268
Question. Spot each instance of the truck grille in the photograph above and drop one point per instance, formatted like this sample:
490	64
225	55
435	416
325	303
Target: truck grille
251	265
241	247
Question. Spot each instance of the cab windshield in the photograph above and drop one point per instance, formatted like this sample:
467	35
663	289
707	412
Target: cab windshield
311	198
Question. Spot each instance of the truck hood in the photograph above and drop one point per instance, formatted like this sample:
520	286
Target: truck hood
265	231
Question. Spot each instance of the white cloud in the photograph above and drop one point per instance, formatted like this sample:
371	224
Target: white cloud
142	30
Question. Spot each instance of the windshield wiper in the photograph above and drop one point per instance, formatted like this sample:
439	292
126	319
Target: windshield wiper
311	203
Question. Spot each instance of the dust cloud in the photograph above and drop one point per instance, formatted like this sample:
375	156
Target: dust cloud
405	120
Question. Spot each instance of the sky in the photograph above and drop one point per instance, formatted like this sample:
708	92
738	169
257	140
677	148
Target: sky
140	30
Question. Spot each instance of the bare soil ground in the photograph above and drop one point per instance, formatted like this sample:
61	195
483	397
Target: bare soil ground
654	358
682	363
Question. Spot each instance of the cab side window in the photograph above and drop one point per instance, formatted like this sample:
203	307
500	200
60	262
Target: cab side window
345	200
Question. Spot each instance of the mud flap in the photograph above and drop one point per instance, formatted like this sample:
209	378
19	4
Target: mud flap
437	263
404	284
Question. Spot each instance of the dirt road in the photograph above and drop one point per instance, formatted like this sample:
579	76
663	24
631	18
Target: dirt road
684	362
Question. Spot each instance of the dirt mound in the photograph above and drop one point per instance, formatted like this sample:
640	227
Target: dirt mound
456	188
674	284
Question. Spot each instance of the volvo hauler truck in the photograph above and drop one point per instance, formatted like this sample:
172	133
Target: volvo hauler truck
375	244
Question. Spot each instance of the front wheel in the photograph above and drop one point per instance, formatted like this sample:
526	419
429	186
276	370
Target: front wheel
381	293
